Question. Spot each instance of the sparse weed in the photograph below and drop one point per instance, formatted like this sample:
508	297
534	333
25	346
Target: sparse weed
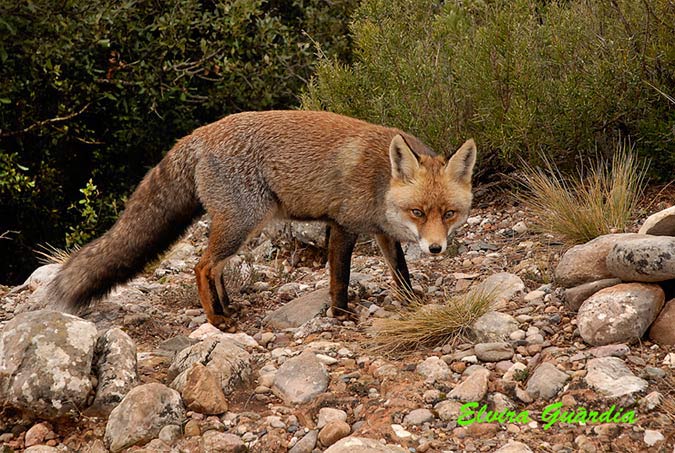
578	209
420	325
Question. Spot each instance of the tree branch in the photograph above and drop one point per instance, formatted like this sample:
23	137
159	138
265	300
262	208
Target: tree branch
58	119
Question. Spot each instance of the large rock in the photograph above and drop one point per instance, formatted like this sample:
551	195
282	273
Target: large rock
576	296
225	359
143	412
514	447
433	369
588	262
648	259
45	363
363	445
300	379
473	388
299	310
217	442
116	370
493	352
611	377
493	327
546	381
619	314
501	287
662	330
661	223
202	392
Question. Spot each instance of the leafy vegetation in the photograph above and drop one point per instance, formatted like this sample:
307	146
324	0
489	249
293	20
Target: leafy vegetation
525	78
93	93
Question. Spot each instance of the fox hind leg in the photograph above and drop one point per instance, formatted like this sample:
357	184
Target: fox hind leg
395	258
225	238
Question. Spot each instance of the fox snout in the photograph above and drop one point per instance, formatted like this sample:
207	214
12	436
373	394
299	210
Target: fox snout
434	246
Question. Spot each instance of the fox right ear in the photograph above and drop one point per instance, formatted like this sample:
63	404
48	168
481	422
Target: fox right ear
404	161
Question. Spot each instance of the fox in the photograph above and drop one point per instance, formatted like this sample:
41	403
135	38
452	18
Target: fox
249	167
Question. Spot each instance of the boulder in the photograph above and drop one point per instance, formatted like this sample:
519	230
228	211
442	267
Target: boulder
299	310
300	379
576	296
588	262
648	259
116	370
619	314
143	412
45	363
225	360
611	377
662	331
363	445
661	223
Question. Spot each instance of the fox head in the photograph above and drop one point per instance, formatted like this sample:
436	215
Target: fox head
428	196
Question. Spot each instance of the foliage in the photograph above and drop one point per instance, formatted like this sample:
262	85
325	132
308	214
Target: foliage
525	78
599	201
98	91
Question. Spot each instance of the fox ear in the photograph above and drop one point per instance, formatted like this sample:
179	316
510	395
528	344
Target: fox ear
404	161
460	166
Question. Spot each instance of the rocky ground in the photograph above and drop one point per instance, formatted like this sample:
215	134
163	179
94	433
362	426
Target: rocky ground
290	381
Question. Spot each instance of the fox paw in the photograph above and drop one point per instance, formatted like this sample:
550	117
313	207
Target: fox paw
343	314
224	323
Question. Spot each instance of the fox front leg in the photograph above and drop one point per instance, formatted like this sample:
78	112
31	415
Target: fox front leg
395	258
340	248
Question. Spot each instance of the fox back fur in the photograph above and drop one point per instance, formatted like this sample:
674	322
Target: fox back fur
248	167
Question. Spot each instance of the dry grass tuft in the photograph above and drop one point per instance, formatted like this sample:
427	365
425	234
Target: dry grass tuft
579	209
54	255
421	325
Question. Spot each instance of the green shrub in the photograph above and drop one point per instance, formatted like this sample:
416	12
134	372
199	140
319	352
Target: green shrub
100	90
523	77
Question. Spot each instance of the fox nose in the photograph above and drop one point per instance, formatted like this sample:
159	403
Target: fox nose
435	248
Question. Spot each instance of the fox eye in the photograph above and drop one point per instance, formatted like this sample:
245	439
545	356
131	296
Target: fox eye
448	215
417	213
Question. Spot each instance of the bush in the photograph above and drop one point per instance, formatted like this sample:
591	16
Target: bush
93	93
523	77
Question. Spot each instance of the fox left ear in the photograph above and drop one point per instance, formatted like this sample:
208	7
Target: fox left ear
460	166
404	161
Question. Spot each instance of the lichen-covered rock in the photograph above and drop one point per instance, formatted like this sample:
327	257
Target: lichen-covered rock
363	445
45	363
299	310
226	360
546	381
494	326
576	296
619	314
116	370
611	377
501	287
143	412
588	262
648	259
300	379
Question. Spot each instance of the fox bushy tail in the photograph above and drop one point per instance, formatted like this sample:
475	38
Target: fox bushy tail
164	204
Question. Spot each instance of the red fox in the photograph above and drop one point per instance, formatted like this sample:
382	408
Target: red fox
244	169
